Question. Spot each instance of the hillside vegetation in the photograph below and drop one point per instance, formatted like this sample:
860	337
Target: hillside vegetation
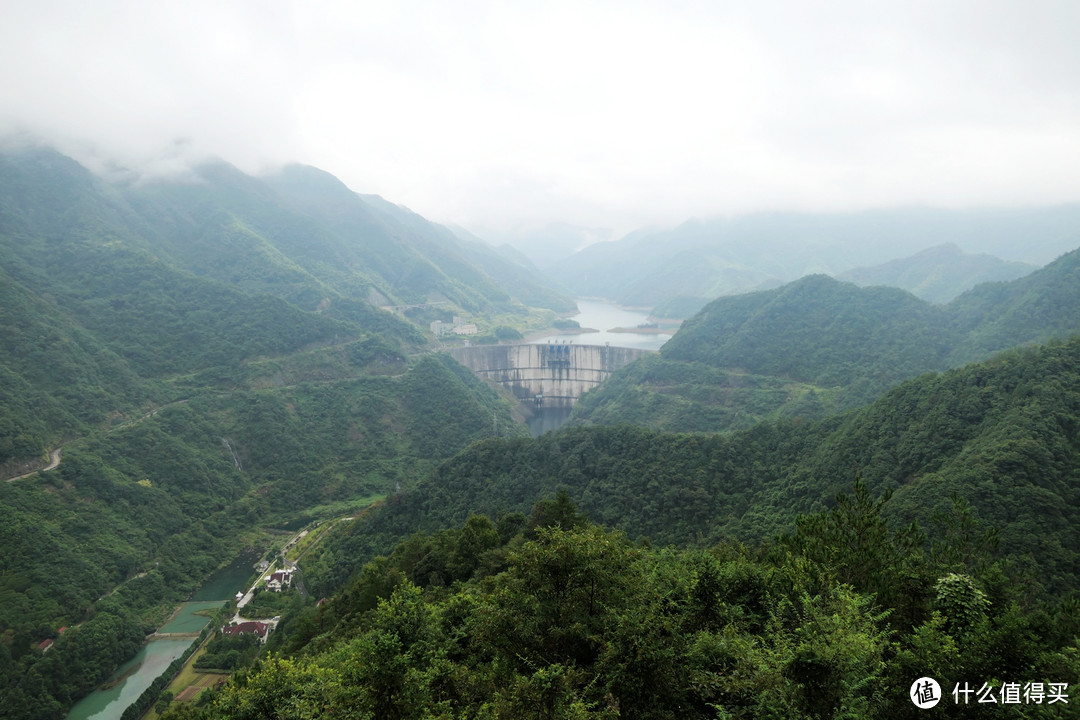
204	353
819	345
549	616
1003	435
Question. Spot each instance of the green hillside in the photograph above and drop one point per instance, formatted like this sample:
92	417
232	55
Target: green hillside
938	274
549	616
1002	434
199	275
205	357
808	571
818	345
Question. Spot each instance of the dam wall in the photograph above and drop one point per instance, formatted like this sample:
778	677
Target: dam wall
553	375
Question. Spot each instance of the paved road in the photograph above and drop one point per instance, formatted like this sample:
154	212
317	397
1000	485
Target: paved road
54	461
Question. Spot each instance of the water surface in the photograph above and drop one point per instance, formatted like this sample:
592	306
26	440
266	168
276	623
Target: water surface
186	621
229	580
130	679
604	316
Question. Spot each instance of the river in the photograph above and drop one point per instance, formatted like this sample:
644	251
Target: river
130	679
126	685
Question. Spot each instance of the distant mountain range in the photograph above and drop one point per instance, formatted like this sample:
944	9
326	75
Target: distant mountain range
818	345
705	259
938	274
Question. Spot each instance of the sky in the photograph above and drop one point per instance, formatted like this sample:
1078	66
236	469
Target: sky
501	117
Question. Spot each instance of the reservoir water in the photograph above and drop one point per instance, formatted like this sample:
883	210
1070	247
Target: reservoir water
605	316
230	579
130	679
602	316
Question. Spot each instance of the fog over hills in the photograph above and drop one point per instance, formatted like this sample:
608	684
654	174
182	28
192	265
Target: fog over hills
709	258
940	273
237	240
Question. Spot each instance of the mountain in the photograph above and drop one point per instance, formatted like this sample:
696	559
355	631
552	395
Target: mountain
1001	434
546	245
197	362
938	274
707	259
163	277
515	273
404	250
818	345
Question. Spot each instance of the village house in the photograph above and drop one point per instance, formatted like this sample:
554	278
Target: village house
248	627
279	580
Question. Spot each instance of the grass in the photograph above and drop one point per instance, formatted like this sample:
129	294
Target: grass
189	679
342	507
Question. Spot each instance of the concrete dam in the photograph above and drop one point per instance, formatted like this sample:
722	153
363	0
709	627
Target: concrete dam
548	376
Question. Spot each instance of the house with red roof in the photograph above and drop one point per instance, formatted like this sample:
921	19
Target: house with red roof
248	627
279	580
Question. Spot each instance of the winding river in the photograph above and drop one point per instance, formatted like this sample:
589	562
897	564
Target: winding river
128	682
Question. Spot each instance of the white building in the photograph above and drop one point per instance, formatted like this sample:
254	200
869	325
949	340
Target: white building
458	327
279	580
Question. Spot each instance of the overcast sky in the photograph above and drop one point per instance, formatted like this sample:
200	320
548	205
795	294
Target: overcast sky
612	115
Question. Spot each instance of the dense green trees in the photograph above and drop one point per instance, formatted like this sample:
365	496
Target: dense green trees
1001	434
816	345
567	620
153	507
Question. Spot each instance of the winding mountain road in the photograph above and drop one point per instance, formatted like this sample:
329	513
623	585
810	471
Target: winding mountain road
54	461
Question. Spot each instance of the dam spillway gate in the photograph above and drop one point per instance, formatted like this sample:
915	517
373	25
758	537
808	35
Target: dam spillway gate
553	375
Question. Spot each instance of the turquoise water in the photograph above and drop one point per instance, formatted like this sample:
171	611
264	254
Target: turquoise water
129	681
186	621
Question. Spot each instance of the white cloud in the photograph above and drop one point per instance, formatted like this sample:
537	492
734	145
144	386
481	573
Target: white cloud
595	113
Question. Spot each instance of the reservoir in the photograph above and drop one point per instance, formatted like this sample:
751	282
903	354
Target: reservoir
604	316
128	682
130	679
230	579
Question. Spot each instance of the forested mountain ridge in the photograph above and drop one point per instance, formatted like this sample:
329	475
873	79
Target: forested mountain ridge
210	364
710	258
157	279
938	274
1002	434
818	345
797	585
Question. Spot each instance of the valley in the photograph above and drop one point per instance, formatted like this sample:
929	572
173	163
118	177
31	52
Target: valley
784	486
